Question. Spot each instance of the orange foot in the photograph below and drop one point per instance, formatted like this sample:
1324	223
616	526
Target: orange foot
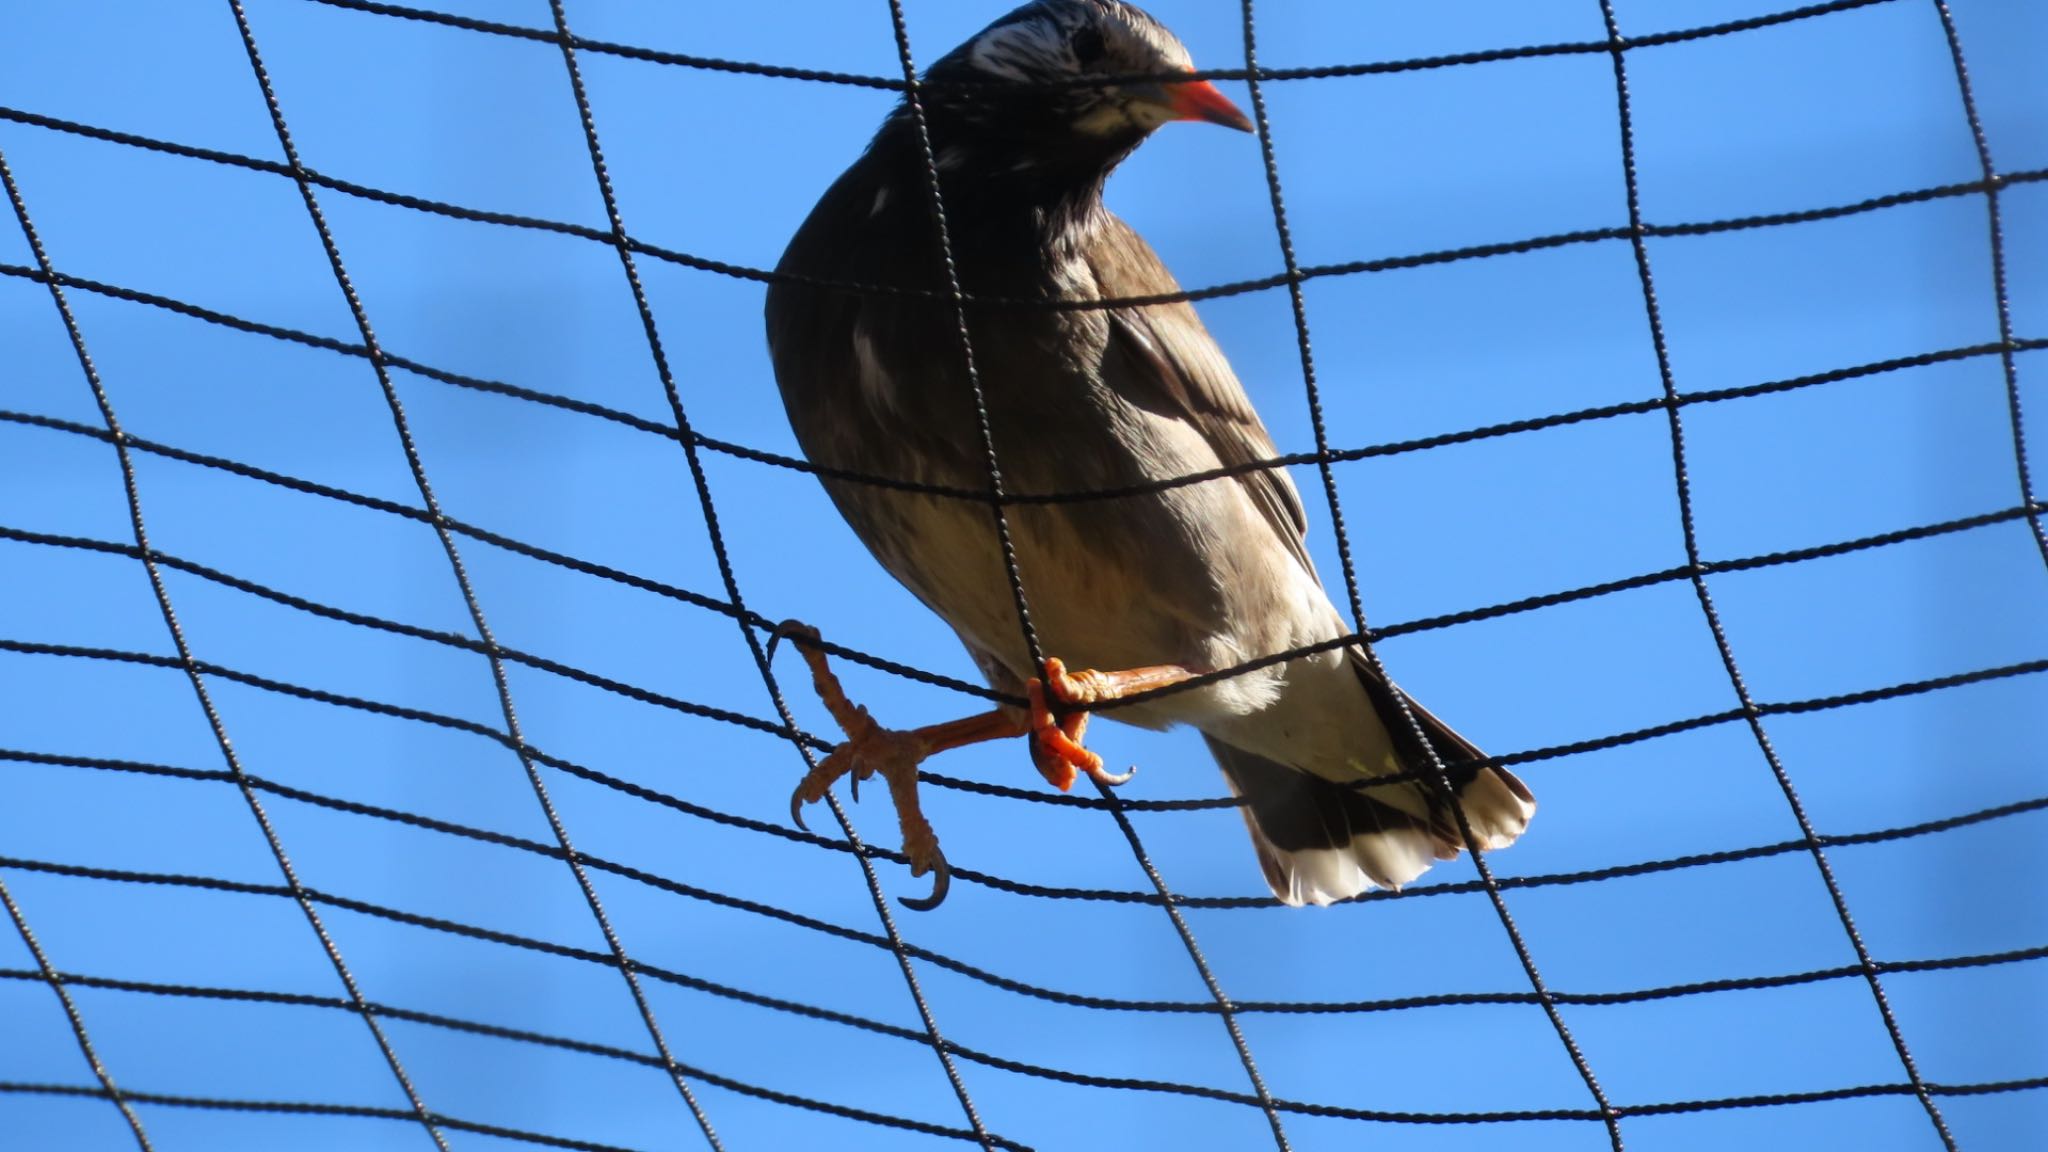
870	749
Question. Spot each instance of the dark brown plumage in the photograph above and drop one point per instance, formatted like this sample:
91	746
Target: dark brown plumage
1194	578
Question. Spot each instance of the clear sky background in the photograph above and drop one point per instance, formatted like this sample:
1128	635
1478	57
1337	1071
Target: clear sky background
1809	114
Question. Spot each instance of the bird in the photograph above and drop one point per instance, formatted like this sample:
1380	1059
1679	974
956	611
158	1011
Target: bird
1148	593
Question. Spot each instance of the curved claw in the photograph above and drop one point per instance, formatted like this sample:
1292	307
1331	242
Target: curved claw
1115	779
796	810
942	882
784	630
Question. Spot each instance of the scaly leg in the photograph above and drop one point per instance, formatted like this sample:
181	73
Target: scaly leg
870	748
1056	741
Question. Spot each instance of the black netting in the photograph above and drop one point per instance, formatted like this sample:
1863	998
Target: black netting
656	1046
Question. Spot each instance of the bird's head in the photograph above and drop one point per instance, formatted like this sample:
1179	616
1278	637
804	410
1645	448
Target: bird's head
1069	85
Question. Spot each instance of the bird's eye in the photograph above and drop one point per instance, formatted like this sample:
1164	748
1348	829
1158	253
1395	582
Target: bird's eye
1088	45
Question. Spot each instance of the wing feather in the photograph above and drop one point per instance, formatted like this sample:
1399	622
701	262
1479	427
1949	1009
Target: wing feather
1160	357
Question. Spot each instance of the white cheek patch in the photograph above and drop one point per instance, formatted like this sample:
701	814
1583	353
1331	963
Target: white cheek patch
1147	115
1112	116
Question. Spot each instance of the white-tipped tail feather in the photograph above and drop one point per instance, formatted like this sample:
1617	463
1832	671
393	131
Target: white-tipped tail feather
1319	841
1498	806
1321	875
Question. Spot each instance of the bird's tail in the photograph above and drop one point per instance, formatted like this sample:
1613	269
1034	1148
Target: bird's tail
1320	840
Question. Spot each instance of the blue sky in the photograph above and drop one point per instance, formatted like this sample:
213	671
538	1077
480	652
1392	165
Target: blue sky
1809	114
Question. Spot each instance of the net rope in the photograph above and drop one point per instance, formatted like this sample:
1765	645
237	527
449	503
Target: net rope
390	367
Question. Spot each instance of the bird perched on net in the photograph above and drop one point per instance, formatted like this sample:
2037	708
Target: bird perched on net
1022	125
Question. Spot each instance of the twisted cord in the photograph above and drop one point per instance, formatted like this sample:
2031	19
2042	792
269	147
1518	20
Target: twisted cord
1671	402
132	492
2001	298
914	103
1750	712
48	974
1435	771
726	573
500	684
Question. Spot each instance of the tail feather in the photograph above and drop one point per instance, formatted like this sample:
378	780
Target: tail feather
1320	840
1496	802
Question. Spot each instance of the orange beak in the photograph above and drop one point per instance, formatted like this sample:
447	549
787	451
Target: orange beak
1199	100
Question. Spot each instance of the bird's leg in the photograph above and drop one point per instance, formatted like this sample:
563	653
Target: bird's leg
1056	740
870	748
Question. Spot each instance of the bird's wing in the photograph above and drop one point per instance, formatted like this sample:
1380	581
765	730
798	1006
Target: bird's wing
1160	357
